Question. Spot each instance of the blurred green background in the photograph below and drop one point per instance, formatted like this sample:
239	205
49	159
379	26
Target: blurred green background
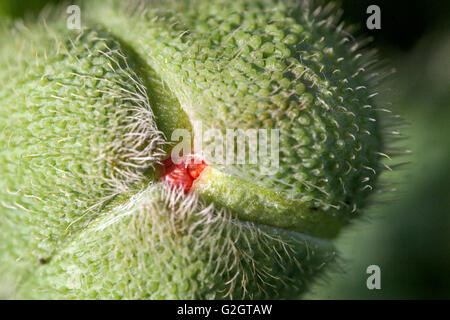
406	232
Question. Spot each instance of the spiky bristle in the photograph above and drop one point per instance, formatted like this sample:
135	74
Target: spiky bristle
86	117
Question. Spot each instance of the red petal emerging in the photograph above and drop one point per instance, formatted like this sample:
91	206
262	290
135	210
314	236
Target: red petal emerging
182	176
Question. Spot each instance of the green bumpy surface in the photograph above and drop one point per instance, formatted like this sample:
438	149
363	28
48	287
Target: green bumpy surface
70	136
268	65
86	117
165	246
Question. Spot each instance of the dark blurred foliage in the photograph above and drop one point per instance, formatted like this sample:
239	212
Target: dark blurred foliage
404	22
406	233
407	236
22	8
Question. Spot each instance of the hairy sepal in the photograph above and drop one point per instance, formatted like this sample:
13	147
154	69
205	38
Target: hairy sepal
163	244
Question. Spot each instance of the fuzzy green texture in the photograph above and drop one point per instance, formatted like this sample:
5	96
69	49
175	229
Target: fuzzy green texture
268	65
163	245
264	206
86	117
71	140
